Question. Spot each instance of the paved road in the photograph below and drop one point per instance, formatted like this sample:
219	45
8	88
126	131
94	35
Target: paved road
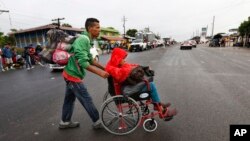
209	87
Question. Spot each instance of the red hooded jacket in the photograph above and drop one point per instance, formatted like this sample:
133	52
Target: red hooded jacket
119	72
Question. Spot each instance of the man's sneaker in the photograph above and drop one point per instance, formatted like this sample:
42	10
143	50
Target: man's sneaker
97	125
32	67
70	124
28	68
3	70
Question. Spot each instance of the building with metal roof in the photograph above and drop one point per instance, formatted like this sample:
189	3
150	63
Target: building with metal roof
38	35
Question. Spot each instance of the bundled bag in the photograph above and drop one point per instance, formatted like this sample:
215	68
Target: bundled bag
60	57
138	75
56	51
137	80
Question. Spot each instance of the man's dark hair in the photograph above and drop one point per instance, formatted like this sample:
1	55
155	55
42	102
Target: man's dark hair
90	22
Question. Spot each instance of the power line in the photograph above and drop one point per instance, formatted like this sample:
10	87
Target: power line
32	17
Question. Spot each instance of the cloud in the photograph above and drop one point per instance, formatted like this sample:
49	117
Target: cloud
176	18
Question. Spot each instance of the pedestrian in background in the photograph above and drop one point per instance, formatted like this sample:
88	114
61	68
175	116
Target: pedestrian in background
7	53
74	72
108	47
38	49
26	56
1	64
14	54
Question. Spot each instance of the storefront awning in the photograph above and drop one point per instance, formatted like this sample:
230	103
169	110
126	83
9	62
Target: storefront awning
112	38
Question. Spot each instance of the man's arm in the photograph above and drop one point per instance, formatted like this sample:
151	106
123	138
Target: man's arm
97	71
95	63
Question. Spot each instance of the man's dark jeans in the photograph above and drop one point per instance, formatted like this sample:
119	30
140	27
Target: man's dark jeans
78	90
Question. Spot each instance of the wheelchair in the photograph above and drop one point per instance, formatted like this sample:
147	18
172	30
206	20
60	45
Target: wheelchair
122	114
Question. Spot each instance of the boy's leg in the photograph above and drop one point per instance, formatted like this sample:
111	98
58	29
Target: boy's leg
154	93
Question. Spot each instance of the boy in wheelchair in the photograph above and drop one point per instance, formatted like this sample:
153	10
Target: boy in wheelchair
127	77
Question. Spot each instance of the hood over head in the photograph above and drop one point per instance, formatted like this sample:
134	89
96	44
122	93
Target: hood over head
117	56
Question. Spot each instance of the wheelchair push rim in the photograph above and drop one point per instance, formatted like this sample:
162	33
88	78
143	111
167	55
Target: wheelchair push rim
124	117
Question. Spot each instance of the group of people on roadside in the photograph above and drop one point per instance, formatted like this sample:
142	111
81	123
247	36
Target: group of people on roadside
30	55
9	59
107	46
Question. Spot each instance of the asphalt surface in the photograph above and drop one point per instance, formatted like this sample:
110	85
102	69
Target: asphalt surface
208	86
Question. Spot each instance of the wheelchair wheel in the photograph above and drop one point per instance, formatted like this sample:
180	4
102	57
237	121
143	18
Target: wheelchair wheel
150	125
120	115
106	96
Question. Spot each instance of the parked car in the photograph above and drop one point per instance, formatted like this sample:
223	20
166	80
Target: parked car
160	42
214	43
138	45
186	45
193	42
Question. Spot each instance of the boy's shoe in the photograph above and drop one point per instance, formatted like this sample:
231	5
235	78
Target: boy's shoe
70	124
169	114
161	105
32	67
97	125
28	68
168	118
165	105
3	70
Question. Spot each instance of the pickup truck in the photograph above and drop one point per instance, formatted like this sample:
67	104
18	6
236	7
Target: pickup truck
138	45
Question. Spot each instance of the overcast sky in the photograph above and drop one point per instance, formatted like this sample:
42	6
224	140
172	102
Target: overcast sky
179	19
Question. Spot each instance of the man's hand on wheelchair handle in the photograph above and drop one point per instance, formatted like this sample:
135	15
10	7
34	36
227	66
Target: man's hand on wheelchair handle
104	74
98	71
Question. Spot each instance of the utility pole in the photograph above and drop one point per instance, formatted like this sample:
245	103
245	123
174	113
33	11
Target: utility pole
6	11
213	26
206	31
58	21
2	11
124	19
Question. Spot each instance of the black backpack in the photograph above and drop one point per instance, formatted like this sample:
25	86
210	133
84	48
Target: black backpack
138	75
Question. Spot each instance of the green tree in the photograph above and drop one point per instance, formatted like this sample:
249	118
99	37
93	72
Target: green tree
13	30
111	27
131	32
244	29
6	39
66	25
